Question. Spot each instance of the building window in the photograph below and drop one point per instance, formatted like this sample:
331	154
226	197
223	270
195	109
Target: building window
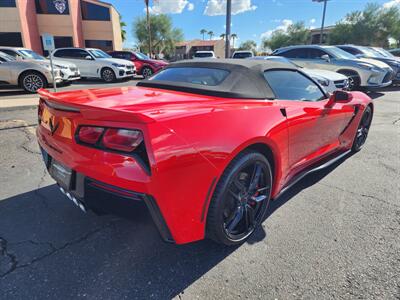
94	12
7	3
60	42
63	41
11	39
100	44
52	7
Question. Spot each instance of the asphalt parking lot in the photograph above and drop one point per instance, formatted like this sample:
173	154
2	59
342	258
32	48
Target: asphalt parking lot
335	234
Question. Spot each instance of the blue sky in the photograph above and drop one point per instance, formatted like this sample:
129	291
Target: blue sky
253	19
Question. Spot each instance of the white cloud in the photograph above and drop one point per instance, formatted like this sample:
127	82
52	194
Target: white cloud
170	7
312	21
283	26
218	7
391	3
190	6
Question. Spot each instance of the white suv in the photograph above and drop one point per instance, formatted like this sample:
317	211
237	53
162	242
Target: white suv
95	63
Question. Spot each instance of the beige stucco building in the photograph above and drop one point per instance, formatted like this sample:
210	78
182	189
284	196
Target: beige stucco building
73	23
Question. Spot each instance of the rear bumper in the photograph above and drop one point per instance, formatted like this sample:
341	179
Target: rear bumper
103	198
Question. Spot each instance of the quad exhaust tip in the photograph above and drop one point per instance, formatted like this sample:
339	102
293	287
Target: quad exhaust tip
77	202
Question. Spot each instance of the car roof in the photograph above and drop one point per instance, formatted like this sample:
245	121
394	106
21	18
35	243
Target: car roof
304	46
13	48
245	80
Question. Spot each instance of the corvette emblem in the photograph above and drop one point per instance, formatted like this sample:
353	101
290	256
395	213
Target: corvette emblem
60	5
53	127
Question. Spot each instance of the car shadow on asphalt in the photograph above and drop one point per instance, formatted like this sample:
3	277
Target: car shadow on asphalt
44	236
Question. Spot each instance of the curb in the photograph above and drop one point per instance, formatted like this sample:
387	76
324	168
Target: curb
20	107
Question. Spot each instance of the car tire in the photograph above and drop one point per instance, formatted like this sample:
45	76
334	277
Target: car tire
147	72
31	81
238	206
354	80
362	130
108	75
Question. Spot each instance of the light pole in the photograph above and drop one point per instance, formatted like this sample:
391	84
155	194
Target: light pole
228	29
323	19
148	25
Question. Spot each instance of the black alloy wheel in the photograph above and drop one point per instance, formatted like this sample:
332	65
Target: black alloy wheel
362	130
147	72
240	199
354	80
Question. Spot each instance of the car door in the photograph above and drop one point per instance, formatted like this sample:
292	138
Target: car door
297	55
319	59
138	63
313	127
5	71
79	58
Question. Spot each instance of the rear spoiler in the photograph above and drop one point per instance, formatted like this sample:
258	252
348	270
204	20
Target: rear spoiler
91	112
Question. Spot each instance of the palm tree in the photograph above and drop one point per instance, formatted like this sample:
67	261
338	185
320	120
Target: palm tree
211	34
123	31
203	32
222	36
146	2
233	37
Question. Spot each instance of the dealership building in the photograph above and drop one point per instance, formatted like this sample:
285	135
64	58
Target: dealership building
73	23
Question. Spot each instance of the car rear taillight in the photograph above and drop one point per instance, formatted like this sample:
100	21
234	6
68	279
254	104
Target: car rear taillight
117	139
90	134
127	141
122	139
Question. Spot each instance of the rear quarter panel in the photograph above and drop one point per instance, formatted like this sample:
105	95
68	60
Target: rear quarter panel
196	149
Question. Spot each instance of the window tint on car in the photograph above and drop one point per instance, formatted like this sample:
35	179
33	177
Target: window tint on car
292	85
295	53
202	76
71	53
9	52
316	53
242	55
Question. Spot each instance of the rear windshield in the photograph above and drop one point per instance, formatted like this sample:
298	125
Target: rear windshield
202	76
242	55
203	54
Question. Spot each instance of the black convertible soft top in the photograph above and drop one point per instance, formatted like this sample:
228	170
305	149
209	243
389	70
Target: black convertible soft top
245	79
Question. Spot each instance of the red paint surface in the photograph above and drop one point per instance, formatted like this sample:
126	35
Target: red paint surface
190	140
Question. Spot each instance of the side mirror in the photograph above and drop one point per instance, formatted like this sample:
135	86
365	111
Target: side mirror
326	57
88	57
339	97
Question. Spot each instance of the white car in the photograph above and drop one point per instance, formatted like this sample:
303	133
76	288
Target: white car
95	63
69	71
330	81
243	54
204	54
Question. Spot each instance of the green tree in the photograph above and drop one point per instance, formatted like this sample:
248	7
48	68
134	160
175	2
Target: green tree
371	27
248	45
222	36
203	32
163	35
123	31
296	34
211	34
233	37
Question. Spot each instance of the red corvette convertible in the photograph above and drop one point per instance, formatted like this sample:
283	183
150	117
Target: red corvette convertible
205	145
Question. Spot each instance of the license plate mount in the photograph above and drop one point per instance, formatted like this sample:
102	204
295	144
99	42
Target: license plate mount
61	173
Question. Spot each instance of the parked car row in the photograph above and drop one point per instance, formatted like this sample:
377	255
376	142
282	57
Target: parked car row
347	67
28	70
